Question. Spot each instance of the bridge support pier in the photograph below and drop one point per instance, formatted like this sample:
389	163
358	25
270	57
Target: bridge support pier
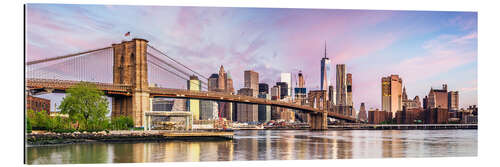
318	121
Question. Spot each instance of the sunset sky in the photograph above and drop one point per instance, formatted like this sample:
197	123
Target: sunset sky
426	48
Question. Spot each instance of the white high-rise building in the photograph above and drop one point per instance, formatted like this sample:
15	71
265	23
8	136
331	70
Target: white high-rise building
287	77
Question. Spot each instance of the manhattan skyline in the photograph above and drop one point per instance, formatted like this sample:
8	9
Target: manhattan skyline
425	48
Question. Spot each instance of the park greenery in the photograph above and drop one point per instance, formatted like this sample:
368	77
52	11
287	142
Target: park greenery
83	109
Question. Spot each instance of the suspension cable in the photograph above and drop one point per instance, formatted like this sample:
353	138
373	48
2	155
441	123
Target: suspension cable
65	56
164	54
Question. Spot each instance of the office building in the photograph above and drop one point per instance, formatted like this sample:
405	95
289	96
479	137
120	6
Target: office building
264	113
213	82
438	98
392	94
325	72
283	89
300	90
246	112
263	88
453	101
252	81
208	110
378	116
349	90
410	116
193	105
341	86
287	78
362	115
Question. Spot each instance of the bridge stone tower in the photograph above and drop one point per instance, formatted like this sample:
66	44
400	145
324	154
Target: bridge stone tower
317	99
130	68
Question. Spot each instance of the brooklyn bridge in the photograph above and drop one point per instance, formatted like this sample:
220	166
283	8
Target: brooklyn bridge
128	72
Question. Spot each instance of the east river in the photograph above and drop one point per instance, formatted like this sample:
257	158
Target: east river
270	145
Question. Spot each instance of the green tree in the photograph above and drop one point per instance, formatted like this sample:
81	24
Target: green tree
86	104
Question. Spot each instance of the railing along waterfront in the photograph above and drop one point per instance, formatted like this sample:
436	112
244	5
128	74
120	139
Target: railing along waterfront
404	126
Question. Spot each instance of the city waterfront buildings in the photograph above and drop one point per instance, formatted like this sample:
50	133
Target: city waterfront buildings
392	94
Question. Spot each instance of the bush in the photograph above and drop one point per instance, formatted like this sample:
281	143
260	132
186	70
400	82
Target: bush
121	123
28	125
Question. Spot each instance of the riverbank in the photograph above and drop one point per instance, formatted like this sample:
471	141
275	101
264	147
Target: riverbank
48	138
402	126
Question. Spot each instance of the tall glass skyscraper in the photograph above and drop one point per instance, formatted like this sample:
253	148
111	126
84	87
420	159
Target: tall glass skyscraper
325	72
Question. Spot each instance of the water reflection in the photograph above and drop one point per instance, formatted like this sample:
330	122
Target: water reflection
269	145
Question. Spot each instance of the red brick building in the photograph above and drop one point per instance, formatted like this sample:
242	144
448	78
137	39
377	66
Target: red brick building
410	116
37	104
378	116
436	116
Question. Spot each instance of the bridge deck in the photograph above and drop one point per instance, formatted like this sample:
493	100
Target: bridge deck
177	93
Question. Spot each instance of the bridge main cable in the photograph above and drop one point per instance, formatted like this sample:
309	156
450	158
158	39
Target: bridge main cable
65	56
177	62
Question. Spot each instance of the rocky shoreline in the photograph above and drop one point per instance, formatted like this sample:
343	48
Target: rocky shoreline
47	138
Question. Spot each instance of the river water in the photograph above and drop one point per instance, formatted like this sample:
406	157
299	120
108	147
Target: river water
270	145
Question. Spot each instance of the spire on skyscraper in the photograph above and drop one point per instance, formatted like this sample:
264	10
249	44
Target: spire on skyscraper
325	49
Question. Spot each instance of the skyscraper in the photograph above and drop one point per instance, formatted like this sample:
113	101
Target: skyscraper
300	90
362	113
263	88
392	94
247	112
325	72
213	82
193	105
287	78
252	81
222	79
283	89
225	85
301	82
438	98
349	89
453	101
341	85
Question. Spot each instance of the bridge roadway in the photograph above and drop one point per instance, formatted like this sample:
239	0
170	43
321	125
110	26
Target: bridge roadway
39	85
